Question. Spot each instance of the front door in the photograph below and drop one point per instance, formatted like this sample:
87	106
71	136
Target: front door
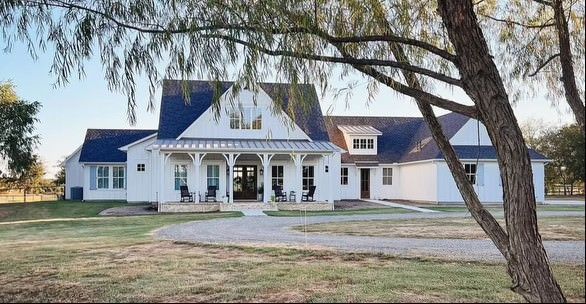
245	182
364	183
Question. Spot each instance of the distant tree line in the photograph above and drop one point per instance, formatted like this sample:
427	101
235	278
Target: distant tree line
564	146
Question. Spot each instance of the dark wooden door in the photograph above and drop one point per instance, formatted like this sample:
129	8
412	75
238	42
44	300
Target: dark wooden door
364	183
245	182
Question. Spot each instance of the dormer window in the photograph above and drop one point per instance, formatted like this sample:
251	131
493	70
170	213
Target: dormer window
363	143
360	139
249	118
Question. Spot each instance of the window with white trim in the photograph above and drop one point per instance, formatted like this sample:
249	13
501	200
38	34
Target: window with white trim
213	176
344	176
277	175
103	177
308	177
118	177
140	167
387	176
249	118
370	143
470	173
180	175
363	143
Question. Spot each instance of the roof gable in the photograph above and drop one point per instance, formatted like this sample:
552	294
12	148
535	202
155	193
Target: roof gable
176	116
101	145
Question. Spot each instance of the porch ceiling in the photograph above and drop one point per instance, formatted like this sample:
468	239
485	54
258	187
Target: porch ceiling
246	145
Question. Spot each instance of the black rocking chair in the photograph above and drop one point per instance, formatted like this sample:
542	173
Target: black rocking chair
280	196
211	193
306	196
185	195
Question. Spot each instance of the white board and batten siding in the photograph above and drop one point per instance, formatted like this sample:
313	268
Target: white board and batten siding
73	173
488	183
274	126
139	182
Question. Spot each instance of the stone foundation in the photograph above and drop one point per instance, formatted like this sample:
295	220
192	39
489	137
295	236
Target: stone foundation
309	206
189	207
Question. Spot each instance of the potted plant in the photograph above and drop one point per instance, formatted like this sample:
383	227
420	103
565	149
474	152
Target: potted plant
260	192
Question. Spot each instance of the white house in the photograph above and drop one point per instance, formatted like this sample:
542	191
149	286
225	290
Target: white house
270	137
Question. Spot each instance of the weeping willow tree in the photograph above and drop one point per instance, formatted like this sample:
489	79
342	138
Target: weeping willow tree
539	43
412	47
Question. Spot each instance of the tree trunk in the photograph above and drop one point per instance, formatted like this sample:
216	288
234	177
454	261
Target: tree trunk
528	264
568	77
484	218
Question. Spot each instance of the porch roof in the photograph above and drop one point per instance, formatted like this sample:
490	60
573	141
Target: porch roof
247	145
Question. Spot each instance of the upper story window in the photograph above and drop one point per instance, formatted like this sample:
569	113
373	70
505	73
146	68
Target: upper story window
140	167
249	118
363	143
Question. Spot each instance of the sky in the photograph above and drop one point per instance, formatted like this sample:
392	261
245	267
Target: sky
68	111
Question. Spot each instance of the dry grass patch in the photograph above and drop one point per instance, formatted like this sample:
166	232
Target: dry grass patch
551	228
116	260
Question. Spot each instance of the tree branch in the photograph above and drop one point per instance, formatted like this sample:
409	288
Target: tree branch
346	60
511	22
158	29
393	38
543	64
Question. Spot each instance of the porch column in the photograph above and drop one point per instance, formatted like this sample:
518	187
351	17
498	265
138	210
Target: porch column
162	161
231	161
197	160
330	176
265	160
298	160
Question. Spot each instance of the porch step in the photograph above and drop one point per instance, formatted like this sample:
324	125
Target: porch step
247	206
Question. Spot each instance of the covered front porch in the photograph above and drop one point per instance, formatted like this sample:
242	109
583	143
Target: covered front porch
240	170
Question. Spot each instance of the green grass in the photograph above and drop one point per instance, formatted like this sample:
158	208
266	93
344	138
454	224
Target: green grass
550	228
57	209
115	260
339	212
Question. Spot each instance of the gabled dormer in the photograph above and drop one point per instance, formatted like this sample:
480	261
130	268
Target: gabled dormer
360	139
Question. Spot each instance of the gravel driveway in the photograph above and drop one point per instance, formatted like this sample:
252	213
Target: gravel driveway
276	231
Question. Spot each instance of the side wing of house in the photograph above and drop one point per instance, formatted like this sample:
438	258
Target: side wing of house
73	174
101	167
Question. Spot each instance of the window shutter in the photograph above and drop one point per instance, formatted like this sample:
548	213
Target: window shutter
92	177
480	175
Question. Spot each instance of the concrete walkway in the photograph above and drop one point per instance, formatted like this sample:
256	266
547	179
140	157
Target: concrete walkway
400	205
253	212
276	231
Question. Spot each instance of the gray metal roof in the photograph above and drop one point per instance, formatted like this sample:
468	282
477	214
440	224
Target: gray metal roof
246	145
359	130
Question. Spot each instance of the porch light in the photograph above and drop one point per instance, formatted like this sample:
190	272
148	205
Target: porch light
262	171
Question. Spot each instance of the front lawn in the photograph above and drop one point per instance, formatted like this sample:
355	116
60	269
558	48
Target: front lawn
551	228
340	212
56	209
116	260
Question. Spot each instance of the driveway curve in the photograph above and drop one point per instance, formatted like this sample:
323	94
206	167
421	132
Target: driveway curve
276	231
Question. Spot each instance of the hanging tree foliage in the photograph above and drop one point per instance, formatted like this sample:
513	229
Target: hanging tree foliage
412	46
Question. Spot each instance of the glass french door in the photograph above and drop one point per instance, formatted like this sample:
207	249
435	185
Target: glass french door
245	179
